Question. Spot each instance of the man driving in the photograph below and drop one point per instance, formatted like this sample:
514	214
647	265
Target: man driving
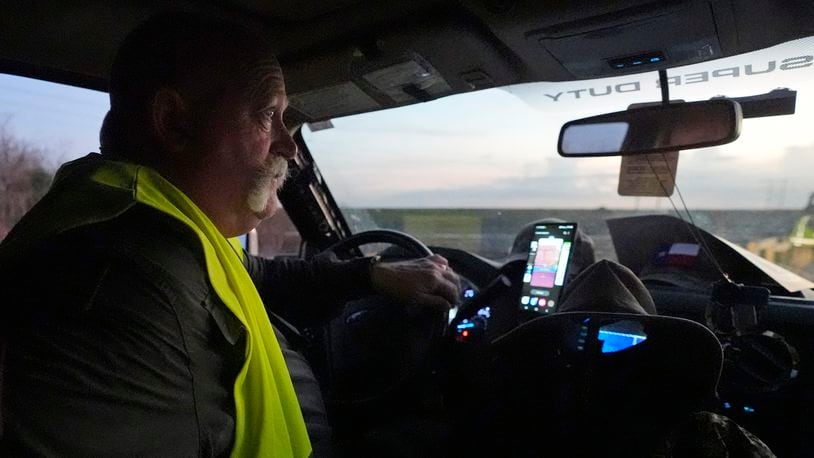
135	324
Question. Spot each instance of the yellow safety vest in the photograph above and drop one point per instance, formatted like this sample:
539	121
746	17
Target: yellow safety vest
268	419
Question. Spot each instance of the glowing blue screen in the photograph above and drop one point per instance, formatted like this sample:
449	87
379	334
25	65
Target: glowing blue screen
617	341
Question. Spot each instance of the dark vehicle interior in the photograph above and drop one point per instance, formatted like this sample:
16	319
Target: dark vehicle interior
396	378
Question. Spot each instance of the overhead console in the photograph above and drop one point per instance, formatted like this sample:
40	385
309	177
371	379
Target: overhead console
562	41
395	67
632	42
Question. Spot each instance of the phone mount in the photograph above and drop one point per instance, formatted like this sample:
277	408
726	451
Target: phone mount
756	360
737	309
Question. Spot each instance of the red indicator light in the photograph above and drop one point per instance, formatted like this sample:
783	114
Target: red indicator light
466	334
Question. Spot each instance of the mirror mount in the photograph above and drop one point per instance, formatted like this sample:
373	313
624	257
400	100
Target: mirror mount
778	102
665	87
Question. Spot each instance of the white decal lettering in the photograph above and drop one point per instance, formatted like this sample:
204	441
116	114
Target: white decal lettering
796	62
699	77
749	71
732	71
628	87
671	80
608	90
576	92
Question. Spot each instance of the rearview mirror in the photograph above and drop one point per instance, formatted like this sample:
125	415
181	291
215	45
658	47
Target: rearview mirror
652	129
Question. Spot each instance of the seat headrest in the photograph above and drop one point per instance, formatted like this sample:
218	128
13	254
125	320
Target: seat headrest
686	354
608	370
606	286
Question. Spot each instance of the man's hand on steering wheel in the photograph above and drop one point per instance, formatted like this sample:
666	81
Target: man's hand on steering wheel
427	280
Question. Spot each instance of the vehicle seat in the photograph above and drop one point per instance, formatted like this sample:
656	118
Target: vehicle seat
567	383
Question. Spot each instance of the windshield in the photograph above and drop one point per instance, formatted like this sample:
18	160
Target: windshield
468	171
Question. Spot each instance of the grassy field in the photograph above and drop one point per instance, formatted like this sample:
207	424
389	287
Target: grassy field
490	232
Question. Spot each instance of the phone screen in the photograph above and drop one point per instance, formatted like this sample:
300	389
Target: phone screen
549	255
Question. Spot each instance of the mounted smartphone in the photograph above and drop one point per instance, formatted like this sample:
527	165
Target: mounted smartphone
549	256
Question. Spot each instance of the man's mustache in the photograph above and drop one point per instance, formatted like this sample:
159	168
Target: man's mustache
276	168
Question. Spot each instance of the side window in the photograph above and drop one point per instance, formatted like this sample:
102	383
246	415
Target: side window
277	236
42	125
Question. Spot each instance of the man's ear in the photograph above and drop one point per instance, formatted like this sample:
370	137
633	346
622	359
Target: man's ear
169	120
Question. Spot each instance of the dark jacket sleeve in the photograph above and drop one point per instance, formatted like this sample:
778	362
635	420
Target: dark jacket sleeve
309	292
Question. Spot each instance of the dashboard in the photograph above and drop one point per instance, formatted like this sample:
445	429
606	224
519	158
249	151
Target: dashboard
765	385
378	351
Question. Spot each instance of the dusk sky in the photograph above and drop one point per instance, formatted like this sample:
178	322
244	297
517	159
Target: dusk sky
62	120
497	148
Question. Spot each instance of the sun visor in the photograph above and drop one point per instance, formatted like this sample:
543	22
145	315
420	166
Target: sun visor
633	44
339	99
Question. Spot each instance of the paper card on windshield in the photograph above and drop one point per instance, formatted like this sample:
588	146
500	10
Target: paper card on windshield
648	175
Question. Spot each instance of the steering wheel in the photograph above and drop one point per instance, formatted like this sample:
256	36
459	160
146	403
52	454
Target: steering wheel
400	239
378	348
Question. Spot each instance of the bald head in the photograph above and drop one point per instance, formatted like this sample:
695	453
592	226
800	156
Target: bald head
201	101
198	57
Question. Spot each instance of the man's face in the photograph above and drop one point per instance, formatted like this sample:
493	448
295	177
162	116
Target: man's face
243	147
